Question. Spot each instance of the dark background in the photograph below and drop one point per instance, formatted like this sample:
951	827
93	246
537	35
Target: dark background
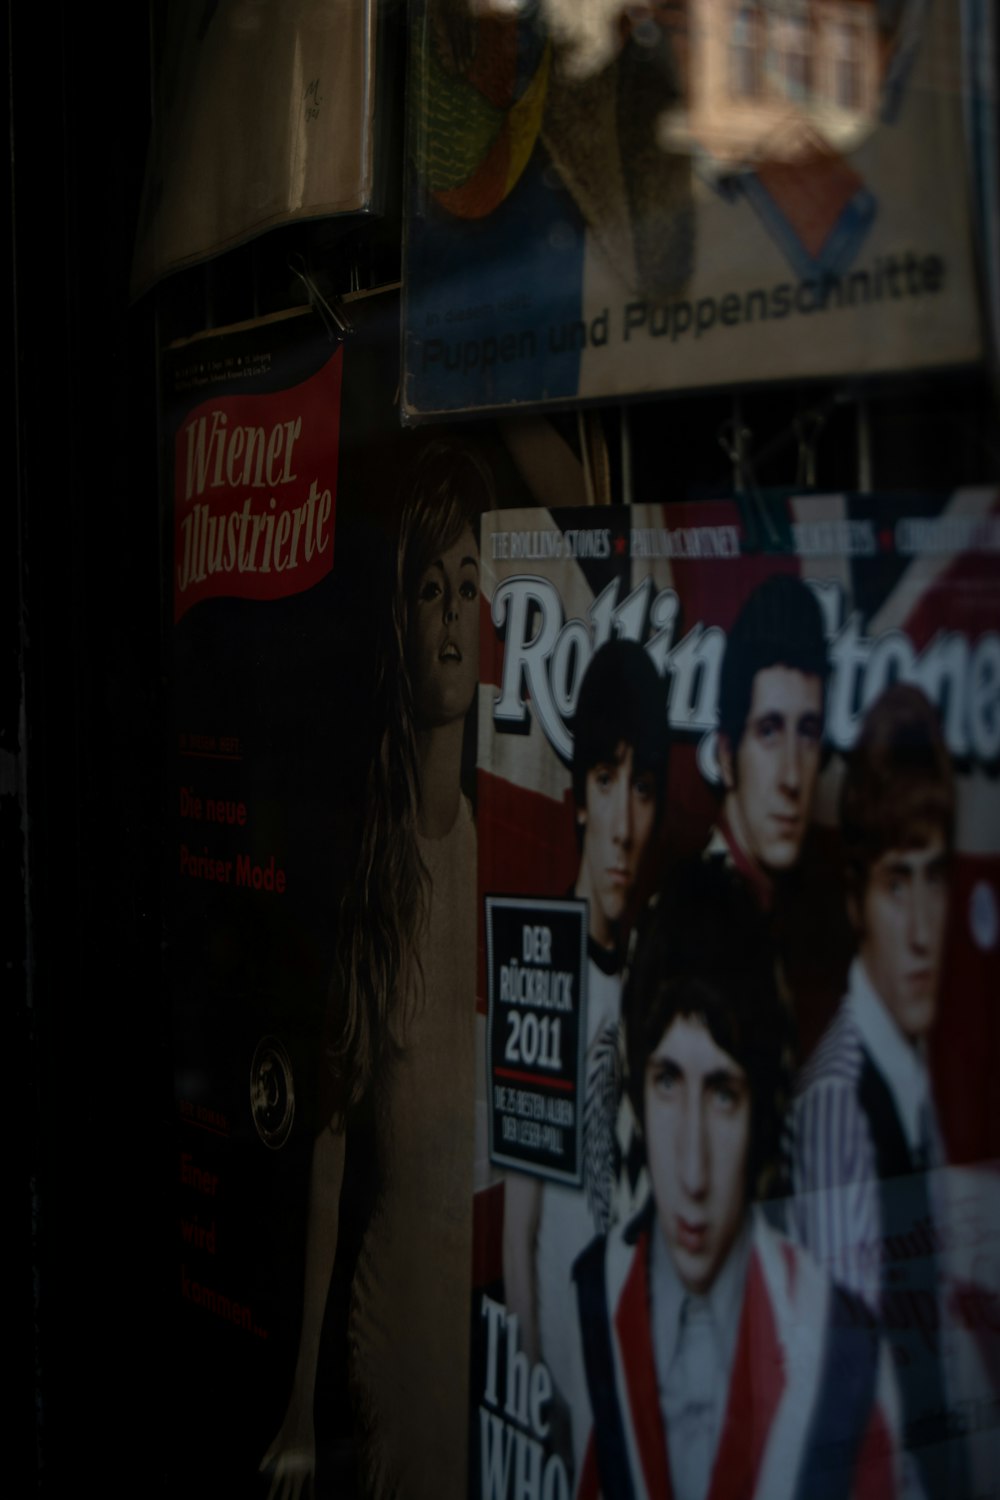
80	726
82	717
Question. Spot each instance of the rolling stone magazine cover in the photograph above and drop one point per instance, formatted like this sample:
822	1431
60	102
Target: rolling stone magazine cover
697	192
739	874
583	932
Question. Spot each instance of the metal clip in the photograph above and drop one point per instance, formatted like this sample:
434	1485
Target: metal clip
863	428
330	311
734	439
808	426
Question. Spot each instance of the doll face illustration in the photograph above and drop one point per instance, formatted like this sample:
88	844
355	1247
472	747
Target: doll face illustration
697	1119
443	647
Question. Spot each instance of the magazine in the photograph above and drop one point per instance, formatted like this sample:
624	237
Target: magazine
323	612
739	873
264	115
723	192
252	418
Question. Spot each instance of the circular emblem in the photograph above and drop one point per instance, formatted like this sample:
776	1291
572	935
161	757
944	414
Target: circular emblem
984	921
272	1092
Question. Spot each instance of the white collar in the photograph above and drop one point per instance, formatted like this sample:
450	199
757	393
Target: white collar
724	1298
899	1060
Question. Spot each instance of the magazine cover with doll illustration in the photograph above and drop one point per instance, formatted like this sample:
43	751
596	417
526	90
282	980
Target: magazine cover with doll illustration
323	612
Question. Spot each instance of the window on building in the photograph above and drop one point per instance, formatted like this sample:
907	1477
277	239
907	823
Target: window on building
744	53
846	49
794	52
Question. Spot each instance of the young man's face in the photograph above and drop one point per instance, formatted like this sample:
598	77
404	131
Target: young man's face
771	779
697	1123
902	918
618	818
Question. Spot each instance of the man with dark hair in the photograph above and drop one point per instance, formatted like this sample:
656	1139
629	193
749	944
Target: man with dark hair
863	1130
718	1358
620	752
771	698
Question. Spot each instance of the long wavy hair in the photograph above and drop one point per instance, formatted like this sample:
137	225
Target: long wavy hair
378	977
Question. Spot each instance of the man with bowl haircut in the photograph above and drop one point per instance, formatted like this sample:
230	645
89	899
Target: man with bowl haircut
620	753
863	1129
720	1360
772	688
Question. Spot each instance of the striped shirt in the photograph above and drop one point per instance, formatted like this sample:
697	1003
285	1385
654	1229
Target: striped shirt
832	1157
